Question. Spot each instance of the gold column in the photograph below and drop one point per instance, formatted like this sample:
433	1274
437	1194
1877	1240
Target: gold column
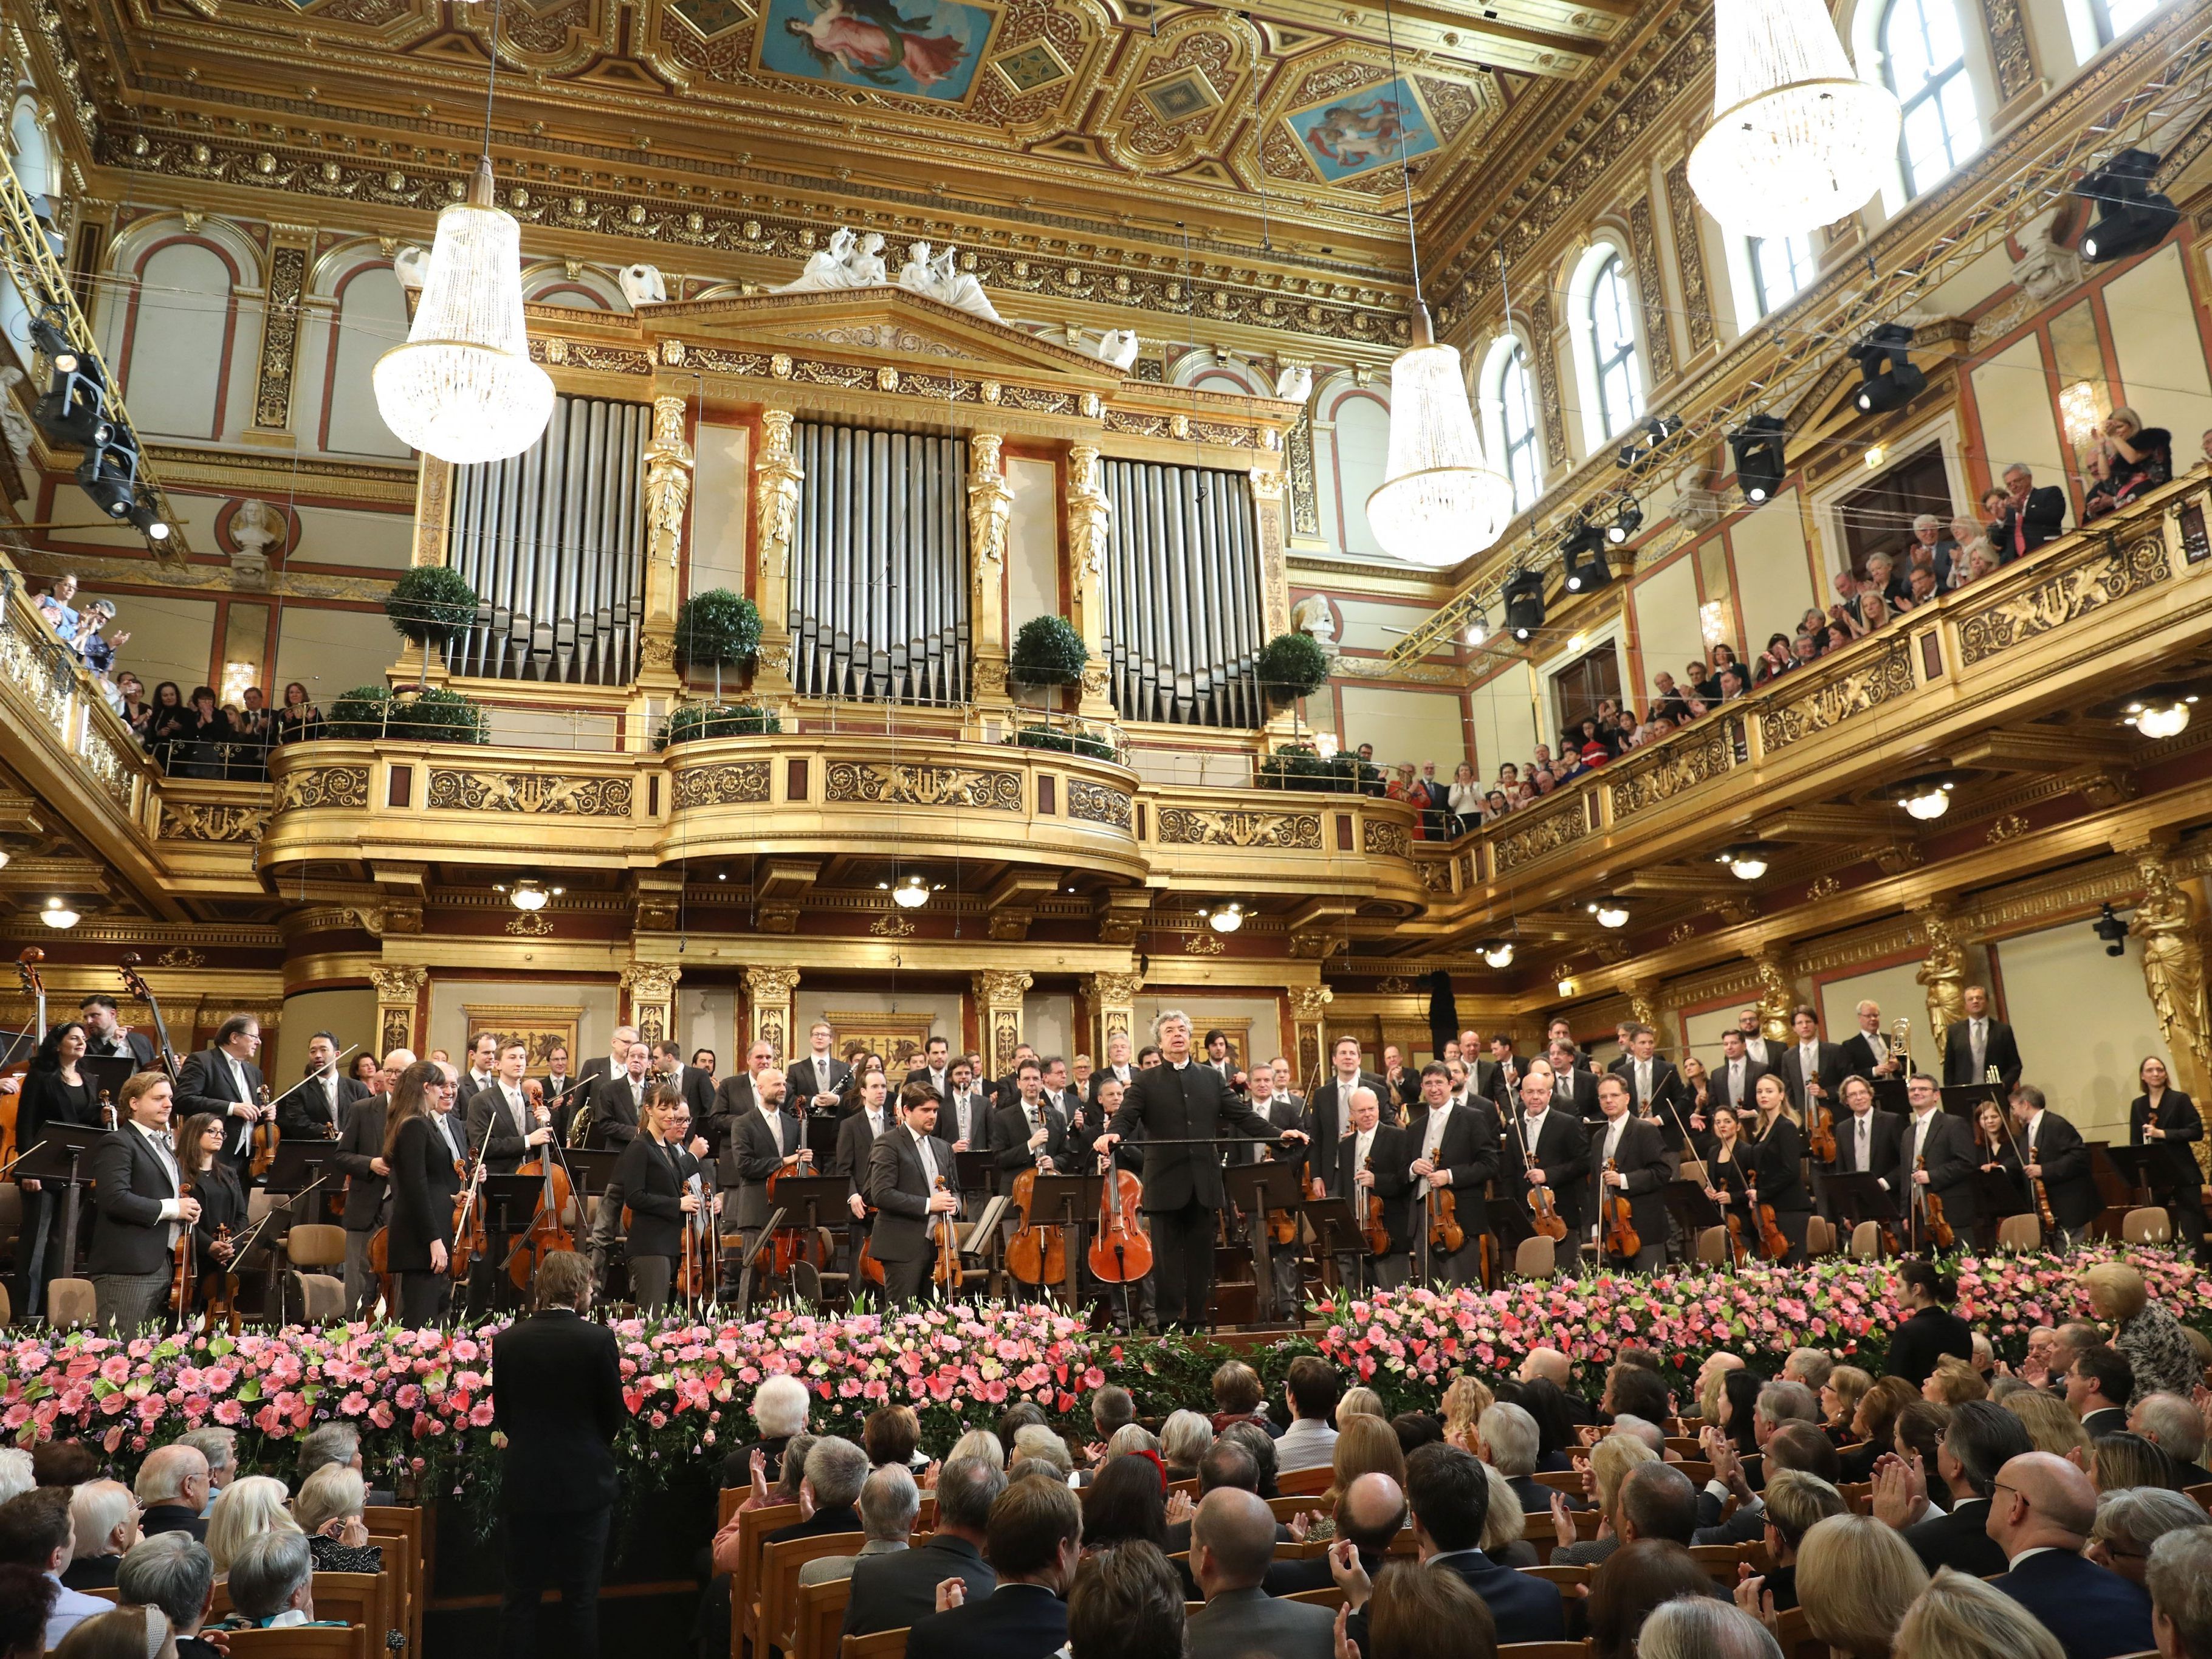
1644	1004
777	477
1309	1004
652	988
1089	512
1115	996
398	999
998	1015
1942	974
1274	581
668	463
2166	924
990	503
767	993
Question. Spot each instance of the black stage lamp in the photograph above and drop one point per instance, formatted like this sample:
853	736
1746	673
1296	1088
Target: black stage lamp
148	517
1886	376
1760	460
54	344
2131	216
1524	604
73	411
1627	520
1583	555
109	474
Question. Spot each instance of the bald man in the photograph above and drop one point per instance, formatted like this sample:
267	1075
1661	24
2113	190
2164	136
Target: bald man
1555	1367
1370	1512
2040	1518
172	1485
1232	1539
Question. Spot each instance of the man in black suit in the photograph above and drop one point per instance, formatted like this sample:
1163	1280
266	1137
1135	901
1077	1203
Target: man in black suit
936	1068
1866	1143
2173	1424
559	1405
483	1065
857	1134
912	1183
172	1485
1369	1513
1946	1145
501	1128
611	1063
360	1156
2030	516
965	1118
1034	1538
1735	1080
224	1081
1451	1144
1025	1133
1180	1101
835	1471
739	1093
1327	1108
557	1082
817	1077
134	1185
1506	1070
762	1138
1868	1051
1405	1082
1981	1439
1007	1088
107	1038
1628	1158
1654	1086
1972	1045
1755	1043
315	1108
2041	1518
1118	1066
897	1590
1574	1088
668	1066
2046	1148
1811	1069
2098	1385
619	1102
1548	1148
1372	1162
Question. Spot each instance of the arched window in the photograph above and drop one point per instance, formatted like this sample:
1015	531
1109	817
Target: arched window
2116	17
1613	349
1780	268
1517	421
1925	59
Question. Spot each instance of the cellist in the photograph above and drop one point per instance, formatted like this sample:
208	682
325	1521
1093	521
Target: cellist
1628	1159
1454	1147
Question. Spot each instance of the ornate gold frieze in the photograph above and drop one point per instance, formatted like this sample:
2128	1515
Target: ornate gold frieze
1298	467
1682	762
1658	332
1386	838
896	784
1867	685
2009	44
1690	257
1203	944
2103	574
194	821
280	340
1181	826
323	786
1436	875
533	792
891	925
1562	826
738	783
1094	803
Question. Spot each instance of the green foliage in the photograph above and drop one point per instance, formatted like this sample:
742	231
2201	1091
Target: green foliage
1292	665
1065	742
718	720
717	628
1301	766
1048	651
436	715
430	604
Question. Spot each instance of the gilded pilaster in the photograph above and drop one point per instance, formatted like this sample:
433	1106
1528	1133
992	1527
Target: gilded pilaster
277	368
998	1015
651	987
1778	993
1089	513
767	994
990	504
777	477
668	465
1308	1006
398	1002
1115	997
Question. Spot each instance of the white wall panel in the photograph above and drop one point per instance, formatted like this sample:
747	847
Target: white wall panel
2162	355
2082	1019
331	651
1773	582
2012	399
1406	726
1032	577
176	367
721	489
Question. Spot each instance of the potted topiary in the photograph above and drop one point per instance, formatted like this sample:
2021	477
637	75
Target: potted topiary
1064	742
716	628
1048	652
1302	766
1290	666
717	720
430	604
433	715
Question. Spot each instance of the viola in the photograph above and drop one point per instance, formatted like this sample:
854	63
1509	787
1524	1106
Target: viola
1773	1243
1544	1214
1939	1230
1035	1256
1121	1253
549	1230
470	1238
180	1279
1377	1233
1738	1251
947	1273
1620	1237
697	1271
265	1135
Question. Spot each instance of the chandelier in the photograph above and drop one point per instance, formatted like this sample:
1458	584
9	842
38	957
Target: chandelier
1797	140
1438	502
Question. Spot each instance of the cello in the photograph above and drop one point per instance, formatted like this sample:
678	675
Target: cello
1035	1254
26	970
1121	1253
549	1229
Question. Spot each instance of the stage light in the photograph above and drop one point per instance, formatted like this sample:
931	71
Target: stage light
149	519
1926	797
528	893
109	474
2131	216
1886	376
55	344
1760	458
1479	630
1649	435
58	913
73	411
2109	928
1497	952
2157	715
1524	604
1627	521
911	894
1582	553
1225	918
1610	912
1745	863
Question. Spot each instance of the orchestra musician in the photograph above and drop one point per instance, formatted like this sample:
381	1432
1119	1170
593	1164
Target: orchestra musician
1558	1149
54	1091
1573	1089
141	1205
1218	1055
424	1156
2166	1123
936	1068
856	1136
696	1086
107	1038
1026	1134
818	1078
1736	1080
738	1096
1729	1175
1946	1145
964	1119
500	1125
762	1139
360	1156
314	1108
1628	1158
1867	1138
1117	1067
1004	1091
223	1079
1867	1051
222	1200
1755	1043
1454	1143
1326	1110
1062	1097
2045	1149
615	1059
1653	1082
1183	1108
1991	1130
904	1166
1811	1070
1373	1161
556	1083
1778	1162
651	1172
1972	1045
616	1101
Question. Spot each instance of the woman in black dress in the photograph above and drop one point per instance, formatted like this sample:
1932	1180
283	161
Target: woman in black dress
2163	1122
1729	1177
168	723
425	1179
54	1091
650	1173
209	737
1780	1162
1933	1331
222	1201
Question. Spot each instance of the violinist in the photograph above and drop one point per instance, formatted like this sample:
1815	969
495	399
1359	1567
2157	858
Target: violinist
54	1091
423	1150
1867	1136
1558	1154
1736	1081
1934	1156
905	1167
222	1200
314	1108
1261	1088
1453	1146
694	1160
1778	1163
698	1085
1375	1161
142	1207
1628	1159
1697	1103
1991	1134
222	1078
651	1172
2045	1151
1730	1177
506	1130
2164	1122
965	1117
360	1156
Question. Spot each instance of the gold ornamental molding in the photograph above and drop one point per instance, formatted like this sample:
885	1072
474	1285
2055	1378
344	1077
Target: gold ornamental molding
2098	576
533	793
344	787
741	783
901	785
1186	827
1840	696
190	821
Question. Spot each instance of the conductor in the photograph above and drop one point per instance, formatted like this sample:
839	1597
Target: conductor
1183	1107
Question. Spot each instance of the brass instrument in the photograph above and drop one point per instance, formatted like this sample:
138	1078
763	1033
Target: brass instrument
579	1126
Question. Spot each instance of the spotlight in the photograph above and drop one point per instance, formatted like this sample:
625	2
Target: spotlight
1627	521
1650	434
1567	986
109	474
1745	863
59	914
1582	553
1479	630
2131	216
1886	376
911	894
1524	604
1761	462
2160	713
2109	928
1610	912
73	411
1497	952
54	344
1225	918
528	893
149	519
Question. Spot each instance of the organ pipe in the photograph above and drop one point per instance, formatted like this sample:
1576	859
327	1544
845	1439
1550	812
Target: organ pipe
1182	595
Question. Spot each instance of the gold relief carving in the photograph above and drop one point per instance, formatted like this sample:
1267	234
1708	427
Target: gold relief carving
1116	991
771	984
2008	45
990	500
1309	1002
1089	512
26	666
2100	576
280	339
1563	828
1203	944
180	955
779	918
2010	827
668	466
192	821
1658	333
656	650
738	783
1689	256
2165	923
1316	947
591	354
1181	826
1895	858
1393	987
990	674
1436	875
396	1029
528	792
104	761
997	986
2105	786
1547	376
1298	461
529	924
1825	887
1094	803
891	925
398	981
1888	676
776	478
1679	764
1386	838
1643	1001
1777	995
885	336
899	785
1681	931
323	786
1942	972
1093	679
1010	925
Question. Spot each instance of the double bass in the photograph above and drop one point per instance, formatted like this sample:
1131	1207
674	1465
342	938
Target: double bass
549	1229
26	970
164	1056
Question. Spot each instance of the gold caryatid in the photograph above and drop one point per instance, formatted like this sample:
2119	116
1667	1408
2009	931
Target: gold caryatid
1090	511
668	465
2165	923
1942	973
990	500
777	477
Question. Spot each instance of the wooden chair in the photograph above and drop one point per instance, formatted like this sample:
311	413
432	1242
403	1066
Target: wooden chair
925	1516
883	1644
107	1594
1566	1480
1866	1241
301	1641
1329	1596
1300	1483
1284	1507
1537	1530
1698	1471
408	1523
1189	1485
1563	1577
779	1583
1796	1635
2203	1495
2150	1224
1686	1445
819	1617
1535	1257
753	1529
1721	1560
2020	1232
1859	1495
403	1575
726	1505
1545	1650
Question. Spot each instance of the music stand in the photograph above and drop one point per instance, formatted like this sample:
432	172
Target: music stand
1066	1201
1693	1213
1855	1195
107	1073
510	1205
1332	1220
805	1201
2134	1164
976	1172
58	1158
1891	1095
1963	1100
1996	1195
590	1171
1256	1188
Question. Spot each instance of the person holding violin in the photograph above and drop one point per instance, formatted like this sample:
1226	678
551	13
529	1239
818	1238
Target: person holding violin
107	1038
1453	1147
142	1207
913	1184
2045	1152
423	1153
1778	1163
1989	1136
223	1218
1375	1161
223	1079
1628	1162
1729	1179
2164	1122
314	1108
506	1128
1935	1159
54	1091
360	1156
1549	1149
651	1173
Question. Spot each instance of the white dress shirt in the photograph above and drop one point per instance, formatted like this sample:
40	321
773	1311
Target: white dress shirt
928	1159
172	1208
244	1093
1432	1146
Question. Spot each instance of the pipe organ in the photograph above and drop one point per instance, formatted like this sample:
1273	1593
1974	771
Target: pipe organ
880	589
553	541
1184	602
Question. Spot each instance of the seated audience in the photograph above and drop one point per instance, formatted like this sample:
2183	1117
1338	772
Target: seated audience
272	1583
1505	1527
1185	1438
1368	1517
1980	1439
1034	1541
1632	1583
1415	1614
895	1588
2179	1573
1505	1439
834	1470
243	1509
328	1510
890	1502
1610	1461
26	1603
1698	1627
104	1517
1125	1604
2173	1424
1794	1504
2041	1518
1309	1388
2131	1519
174	1572
1856	1580
35	1532
173	1486
1961	1618
2123	1459
1232	1541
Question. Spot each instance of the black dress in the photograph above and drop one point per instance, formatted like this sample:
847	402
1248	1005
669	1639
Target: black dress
47	1097
1923	1340
1733	1174
1779	1161
223	1204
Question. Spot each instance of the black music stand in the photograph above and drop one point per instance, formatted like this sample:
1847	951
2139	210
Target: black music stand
976	1172
1855	1195
822	1139
1963	1100
1070	1201
61	1157
510	1205
1891	1094
2134	1164
1256	1188
590	1170
1334	1222
1996	1195
1509	1224
107	1073
1693	1212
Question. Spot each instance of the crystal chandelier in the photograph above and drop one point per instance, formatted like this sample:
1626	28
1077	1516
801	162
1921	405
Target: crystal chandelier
1797	140
1438	502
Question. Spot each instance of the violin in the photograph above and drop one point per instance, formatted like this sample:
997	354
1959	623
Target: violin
1372	1226
697	1269
1121	1253
1035	1256
1939	1230
549	1230
180	1278
1822	1139
1620	1237
1738	1251
265	1135
1773	1243
1544	1214
947	1273
470	1238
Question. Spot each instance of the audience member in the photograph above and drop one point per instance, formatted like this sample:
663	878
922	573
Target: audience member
2130	1522
1034	1539
104	1521
1232	1542
1856	1580
35	1532
893	1589
1635	1581
2041	1518
1958	1617
174	1572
